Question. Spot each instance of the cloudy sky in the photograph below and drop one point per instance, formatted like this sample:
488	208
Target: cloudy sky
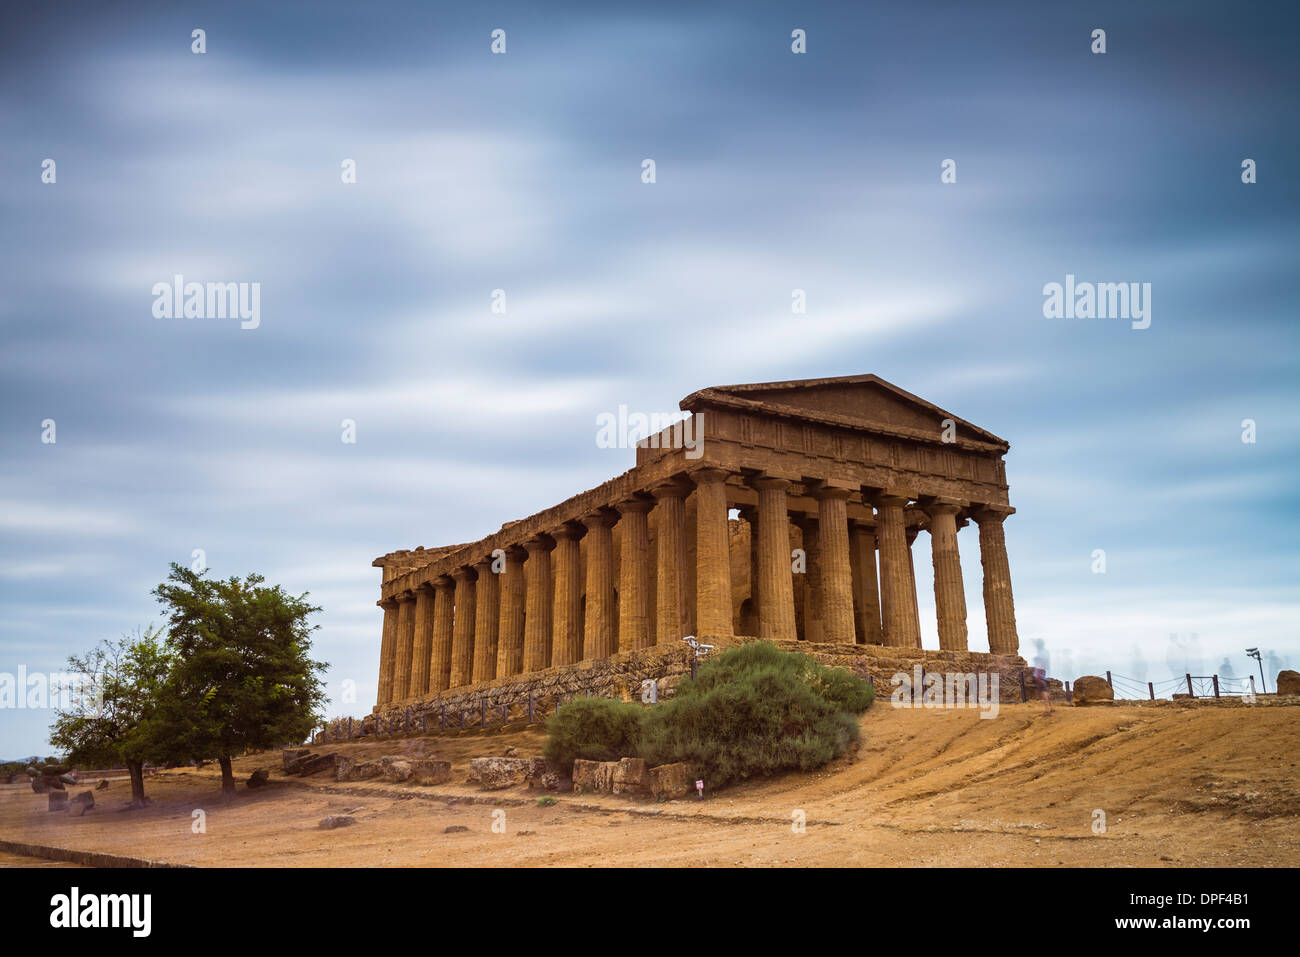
775	171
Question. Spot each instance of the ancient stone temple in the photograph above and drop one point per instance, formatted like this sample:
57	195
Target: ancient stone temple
788	511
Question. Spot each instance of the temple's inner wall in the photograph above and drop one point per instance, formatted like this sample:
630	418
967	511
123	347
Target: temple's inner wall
787	511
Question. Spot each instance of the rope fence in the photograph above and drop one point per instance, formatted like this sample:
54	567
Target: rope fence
1194	686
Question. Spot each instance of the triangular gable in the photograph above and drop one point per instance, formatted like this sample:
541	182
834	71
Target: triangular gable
860	401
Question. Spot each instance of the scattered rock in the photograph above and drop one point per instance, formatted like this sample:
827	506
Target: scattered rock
1288	682
70	778
258	778
39	785
429	771
102	785
352	769
58	800
1092	690
510	752
492	774
80	804
454	829
332	821
397	770
292	755
312	763
670	781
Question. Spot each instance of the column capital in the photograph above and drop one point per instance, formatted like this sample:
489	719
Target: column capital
709	475
464	574
603	517
828	491
387	604
538	543
407	595
634	505
767	481
990	514
443	581
568	531
888	498
424	588
672	487
483	567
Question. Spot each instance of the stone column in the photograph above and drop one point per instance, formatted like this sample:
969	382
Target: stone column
901	625
537	604
776	586
510	623
405	645
999	607
423	649
487	612
836	577
712	554
444	600
749	514
566	571
949	593
599	640
462	636
670	590
912	532
634	575
812	578
387	651
866	589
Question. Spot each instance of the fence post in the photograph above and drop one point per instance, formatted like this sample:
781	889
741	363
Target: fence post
444	718
1109	682
1151	688
424	722
1252	684
1024	695
1216	686
531	706
1189	686
483	706
505	714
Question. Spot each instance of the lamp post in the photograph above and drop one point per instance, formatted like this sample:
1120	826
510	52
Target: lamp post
1254	653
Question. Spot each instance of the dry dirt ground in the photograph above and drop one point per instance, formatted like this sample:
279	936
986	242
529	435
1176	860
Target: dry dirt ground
1178	787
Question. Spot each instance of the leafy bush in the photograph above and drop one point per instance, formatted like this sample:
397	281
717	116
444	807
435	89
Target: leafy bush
594	729
756	710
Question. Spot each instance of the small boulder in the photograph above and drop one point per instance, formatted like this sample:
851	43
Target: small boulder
58	800
454	829
313	763
1092	690
80	804
258	778
670	781
70	778
102	785
429	771
1288	682
332	821
39	785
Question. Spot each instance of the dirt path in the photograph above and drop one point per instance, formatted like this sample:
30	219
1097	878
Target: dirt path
1193	787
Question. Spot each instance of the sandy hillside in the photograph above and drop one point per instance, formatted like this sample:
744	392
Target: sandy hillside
1178	786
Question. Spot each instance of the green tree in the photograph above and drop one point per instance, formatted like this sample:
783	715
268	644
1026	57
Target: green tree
99	725
243	678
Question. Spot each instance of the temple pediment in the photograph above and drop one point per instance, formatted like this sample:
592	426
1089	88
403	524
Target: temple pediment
865	402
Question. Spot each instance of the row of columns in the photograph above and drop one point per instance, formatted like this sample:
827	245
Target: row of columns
522	610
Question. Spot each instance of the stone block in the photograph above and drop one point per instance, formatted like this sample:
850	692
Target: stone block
352	769
58	800
631	776
258	778
333	821
291	756
429	771
593	777
1288	682
1091	689
313	764
670	781
492	774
